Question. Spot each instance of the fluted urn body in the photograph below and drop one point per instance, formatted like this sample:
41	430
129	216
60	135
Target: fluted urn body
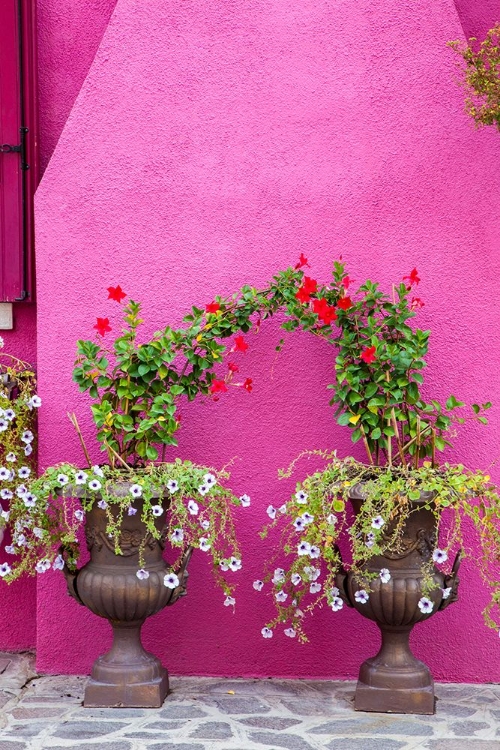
108	585
394	680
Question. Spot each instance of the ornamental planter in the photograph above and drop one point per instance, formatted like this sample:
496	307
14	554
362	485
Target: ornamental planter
126	676
394	681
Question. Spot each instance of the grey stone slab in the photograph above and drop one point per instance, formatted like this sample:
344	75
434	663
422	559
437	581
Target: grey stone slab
165	726
270	722
116	745
382	725
365	744
236	705
86	730
287	741
25	730
467	728
6	745
455	709
38	712
457	744
170	746
176	711
213	730
308	707
113	713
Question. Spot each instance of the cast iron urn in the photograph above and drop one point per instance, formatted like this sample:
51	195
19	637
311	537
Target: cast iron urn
394	680
126	676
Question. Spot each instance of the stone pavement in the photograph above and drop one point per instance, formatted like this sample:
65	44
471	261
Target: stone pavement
217	714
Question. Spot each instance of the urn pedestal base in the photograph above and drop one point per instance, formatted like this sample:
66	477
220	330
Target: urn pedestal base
127	695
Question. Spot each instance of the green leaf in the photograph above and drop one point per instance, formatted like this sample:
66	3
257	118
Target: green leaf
376	434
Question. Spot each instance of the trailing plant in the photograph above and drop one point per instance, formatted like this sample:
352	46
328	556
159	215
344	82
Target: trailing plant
482	77
379	364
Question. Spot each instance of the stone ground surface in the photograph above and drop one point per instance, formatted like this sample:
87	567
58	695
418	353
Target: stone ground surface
201	713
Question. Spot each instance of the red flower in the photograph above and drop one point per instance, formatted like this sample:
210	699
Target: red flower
218	386
248	384
416	302
232	367
413	278
212	307
116	293
102	326
368	355
309	286
325	312
302	262
240	345
345	303
346	281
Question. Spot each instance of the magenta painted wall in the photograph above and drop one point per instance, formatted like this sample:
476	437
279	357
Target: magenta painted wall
477	16
210	145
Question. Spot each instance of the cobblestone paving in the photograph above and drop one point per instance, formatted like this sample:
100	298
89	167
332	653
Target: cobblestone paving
216	714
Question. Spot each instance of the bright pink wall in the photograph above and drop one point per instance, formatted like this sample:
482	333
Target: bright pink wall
477	16
209	146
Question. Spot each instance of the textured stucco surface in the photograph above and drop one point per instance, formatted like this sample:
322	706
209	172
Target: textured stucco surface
477	16
208	147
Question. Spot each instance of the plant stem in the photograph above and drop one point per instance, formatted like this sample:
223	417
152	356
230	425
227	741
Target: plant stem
72	418
116	455
367	447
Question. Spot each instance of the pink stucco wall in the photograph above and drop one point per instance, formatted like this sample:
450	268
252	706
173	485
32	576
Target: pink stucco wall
477	16
209	146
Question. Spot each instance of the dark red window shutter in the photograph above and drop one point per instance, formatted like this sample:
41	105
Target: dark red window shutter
18	163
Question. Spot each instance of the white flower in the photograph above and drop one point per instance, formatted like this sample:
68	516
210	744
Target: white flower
131	511
27	436
5	514
80	477
204	544
142	574
205	524
334	591
361	596
314	588
24	472
97	470
258	585
209	480
312	573
301	497
29	500
336	604
314	552
235	564
11	457
62	479
157	510
171	581
267	633
21	490
20	539
177	535
193	508
136	490
35	402
1	342
439	556
203	489
282	509
299	524
43	566
332	519
172	485
304	548
94	485
5	569
9	414
290	632
224	565
307	518
4	473
28	450
79	515
6	494
425	605
279	575
385	575
229	601
446	592
58	563
370	539
10	549
271	511
299	613
102	504
245	501
38	532
4	425
296	579
377	522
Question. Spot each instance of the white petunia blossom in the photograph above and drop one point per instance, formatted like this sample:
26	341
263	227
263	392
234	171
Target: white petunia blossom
79	515
307	518
279	575
334	591
370	539
332	519
98	471
157	510
446	592
304	548
361	596
301	497
11	457
4	424
235	564
204	544
377	522
131	511
299	524
203	489
81	477
296	579
5	569
315	587
102	504
193	508
312	573
171	581
35	402
336	604
9	414
27	436
58	563
385	575
271	511
28	450
39	533
282	509
258	585
135	490
314	552
142	574
425	605
209	480
24	472
172	486
439	556
245	501
267	633
4	473
205	524
10	549
229	601
6	494
94	485
177	535
29	500
224	565
43	566
290	632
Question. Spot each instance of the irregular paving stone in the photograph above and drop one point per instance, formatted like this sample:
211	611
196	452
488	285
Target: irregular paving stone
248	705
309	707
365	744
162	746
213	730
165	725
87	730
113	713
288	741
181	712
117	745
6	745
26	730
468	728
270	722
360	725
38	713
455	709
457	744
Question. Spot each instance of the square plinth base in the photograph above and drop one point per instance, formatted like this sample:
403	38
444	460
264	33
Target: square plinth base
139	695
389	700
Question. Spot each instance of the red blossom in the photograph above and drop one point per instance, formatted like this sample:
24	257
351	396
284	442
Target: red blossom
102	326
218	386
368	355
116	293
232	367
346	281
413	278
344	303
302	262
240	345
416	303
309	286
324	311
213	307
248	384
